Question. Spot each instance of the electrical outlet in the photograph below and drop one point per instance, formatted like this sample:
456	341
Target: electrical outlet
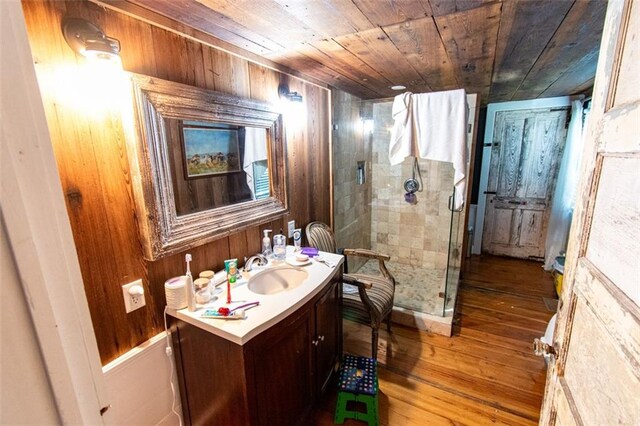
292	227
133	294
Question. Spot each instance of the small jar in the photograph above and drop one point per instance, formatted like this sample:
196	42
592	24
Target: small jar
202	290
207	274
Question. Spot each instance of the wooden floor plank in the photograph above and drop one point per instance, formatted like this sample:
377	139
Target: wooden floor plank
485	374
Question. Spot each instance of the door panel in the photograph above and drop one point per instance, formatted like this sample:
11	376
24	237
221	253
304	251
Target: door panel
526	152
616	224
594	378
326	336
284	378
542	155
531	228
596	373
516	227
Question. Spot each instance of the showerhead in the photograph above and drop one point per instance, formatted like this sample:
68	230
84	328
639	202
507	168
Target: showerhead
411	185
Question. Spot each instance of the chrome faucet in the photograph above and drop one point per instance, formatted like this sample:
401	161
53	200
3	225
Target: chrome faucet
259	258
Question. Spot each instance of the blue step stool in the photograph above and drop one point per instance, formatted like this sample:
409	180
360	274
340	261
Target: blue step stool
358	382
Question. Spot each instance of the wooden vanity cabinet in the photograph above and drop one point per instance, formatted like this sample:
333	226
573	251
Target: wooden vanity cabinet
275	378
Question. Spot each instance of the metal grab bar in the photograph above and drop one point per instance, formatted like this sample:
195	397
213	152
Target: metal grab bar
451	203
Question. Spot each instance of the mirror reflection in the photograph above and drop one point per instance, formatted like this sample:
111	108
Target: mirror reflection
217	164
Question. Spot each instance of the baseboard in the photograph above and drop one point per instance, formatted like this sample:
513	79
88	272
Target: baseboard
138	386
421	321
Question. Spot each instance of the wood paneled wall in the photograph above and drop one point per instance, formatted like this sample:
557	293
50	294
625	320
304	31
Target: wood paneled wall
91	154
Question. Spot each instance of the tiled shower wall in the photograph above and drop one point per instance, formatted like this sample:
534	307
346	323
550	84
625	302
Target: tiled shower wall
416	235
352	202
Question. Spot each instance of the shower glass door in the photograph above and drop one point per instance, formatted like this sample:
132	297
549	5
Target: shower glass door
454	259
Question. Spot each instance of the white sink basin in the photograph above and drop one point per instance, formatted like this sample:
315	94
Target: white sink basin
276	280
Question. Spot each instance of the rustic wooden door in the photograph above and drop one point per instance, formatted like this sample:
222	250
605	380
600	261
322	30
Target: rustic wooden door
525	155
594	378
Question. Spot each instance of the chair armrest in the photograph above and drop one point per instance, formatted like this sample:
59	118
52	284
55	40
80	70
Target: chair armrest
362	285
359	283
372	255
366	253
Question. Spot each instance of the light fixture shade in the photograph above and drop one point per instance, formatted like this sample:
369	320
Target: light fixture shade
89	40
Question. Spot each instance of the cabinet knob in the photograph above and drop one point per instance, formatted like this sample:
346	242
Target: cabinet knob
321	338
314	342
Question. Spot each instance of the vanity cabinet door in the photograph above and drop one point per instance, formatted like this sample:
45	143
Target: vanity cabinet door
283	373
326	340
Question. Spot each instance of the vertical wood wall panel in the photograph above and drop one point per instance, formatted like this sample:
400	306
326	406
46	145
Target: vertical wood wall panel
93	165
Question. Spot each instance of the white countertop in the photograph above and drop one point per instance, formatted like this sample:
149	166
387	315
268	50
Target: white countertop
272	309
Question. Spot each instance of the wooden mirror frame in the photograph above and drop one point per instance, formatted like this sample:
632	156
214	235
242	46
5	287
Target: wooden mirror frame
162	231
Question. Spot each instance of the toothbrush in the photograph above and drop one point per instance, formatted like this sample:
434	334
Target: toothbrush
191	297
225	313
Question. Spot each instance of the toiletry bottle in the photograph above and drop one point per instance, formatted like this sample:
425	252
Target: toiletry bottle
297	240
266	244
279	247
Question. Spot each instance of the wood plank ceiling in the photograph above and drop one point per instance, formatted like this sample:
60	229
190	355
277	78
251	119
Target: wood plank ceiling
502	49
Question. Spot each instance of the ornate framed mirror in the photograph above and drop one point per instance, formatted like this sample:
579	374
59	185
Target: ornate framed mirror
203	164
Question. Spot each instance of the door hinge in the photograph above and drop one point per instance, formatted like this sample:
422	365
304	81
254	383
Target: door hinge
541	348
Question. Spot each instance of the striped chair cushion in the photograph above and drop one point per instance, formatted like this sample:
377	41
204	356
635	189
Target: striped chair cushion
380	293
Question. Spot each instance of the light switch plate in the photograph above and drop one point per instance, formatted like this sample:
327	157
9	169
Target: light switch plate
292	227
133	301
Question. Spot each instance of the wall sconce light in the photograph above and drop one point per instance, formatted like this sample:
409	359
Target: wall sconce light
284	93
89	40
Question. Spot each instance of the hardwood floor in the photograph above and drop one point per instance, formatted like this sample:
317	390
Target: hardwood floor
485	374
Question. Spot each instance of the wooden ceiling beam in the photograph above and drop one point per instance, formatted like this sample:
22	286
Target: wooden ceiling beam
201	17
470	38
328	18
574	80
265	17
576	43
332	55
313	68
383	13
526	27
374	48
447	7
419	41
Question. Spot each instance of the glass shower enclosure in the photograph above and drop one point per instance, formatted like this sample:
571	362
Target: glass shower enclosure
424	239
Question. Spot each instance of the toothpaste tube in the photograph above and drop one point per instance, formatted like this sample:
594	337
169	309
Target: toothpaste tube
231	266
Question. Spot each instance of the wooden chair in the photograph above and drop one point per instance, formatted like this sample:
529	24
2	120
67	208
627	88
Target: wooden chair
373	302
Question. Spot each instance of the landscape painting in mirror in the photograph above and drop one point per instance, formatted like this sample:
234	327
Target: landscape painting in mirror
217	164
209	150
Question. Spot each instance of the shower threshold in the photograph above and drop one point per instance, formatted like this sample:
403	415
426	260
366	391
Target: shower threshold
419	297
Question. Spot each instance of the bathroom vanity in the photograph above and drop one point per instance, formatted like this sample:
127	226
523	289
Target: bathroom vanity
270	367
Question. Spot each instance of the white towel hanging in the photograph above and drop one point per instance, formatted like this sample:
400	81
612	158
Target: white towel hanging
432	126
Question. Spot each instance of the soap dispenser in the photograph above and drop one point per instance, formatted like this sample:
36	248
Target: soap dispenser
266	243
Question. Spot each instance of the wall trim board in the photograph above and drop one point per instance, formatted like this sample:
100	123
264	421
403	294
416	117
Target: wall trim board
40	238
138	385
492	109
183	30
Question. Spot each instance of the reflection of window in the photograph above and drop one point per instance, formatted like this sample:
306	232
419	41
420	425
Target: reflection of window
261	179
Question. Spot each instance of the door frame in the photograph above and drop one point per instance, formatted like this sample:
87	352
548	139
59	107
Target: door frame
492	109
40	238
